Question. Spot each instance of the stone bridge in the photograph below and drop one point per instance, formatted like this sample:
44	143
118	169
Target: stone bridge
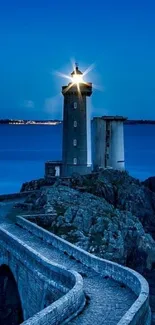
45	280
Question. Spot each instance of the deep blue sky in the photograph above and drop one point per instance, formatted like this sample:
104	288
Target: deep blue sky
39	37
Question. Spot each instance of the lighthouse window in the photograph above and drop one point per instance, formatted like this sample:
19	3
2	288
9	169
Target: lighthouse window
74	142
75	124
75	105
75	161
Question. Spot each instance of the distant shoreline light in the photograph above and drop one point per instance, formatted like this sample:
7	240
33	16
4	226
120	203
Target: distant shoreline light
29	122
56	122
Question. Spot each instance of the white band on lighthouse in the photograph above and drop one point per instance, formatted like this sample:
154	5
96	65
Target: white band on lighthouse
89	156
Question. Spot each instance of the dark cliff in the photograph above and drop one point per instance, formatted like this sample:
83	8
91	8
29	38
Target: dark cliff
108	213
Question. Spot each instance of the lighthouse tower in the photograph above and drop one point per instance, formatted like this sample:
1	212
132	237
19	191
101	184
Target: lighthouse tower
75	131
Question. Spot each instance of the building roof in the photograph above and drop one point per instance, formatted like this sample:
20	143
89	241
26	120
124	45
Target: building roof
76	71
112	118
115	117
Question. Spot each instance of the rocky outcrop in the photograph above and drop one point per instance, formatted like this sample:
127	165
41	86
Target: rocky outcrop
150	183
33	185
36	184
123	192
95	225
108	213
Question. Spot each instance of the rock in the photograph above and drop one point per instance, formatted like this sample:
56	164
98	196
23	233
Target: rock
24	206
48	208
123	192
36	184
108	213
150	183
110	227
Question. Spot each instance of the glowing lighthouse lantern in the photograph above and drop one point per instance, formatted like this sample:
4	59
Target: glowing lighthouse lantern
77	76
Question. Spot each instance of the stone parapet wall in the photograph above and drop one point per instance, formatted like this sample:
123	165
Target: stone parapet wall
139	313
49	275
19	195
64	308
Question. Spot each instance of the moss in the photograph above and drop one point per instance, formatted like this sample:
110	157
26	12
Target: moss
97	239
60	209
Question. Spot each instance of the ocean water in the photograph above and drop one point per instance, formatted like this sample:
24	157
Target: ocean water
25	148
140	150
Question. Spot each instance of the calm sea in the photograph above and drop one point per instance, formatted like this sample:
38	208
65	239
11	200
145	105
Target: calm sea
25	148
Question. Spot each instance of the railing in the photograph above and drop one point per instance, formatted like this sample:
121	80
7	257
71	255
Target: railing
68	305
139	313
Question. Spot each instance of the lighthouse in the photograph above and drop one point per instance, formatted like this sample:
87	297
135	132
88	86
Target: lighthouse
107	134
75	127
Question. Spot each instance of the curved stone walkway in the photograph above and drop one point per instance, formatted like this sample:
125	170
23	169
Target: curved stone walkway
107	300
